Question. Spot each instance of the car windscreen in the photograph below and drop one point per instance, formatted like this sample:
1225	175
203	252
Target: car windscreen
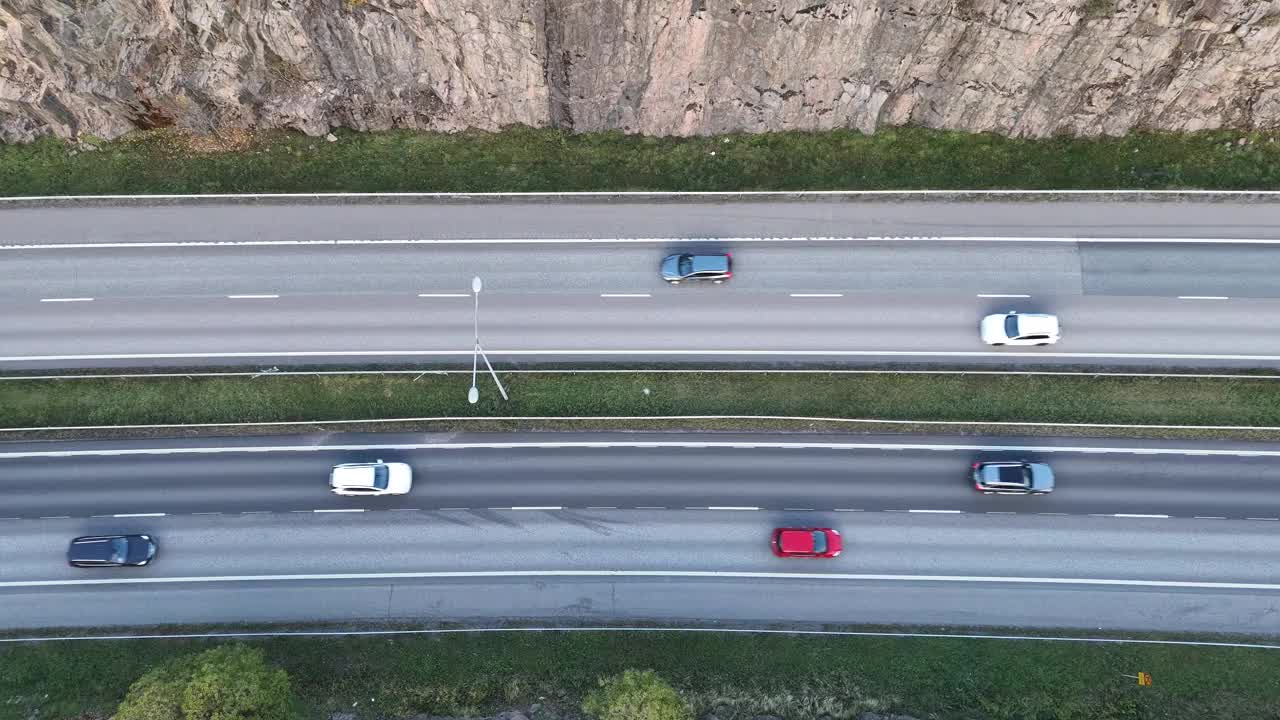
1011	326
380	477
819	542
119	550
686	265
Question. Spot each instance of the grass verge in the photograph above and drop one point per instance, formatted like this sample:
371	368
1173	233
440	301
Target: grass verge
736	676
525	159
977	399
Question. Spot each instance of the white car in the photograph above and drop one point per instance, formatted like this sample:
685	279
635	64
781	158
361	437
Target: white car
375	478
1015	328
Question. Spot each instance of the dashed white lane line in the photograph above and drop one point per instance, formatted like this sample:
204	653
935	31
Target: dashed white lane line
252	297
1001	512
1142	516
1203	297
602	507
817	295
137	515
732	507
340	510
454	509
798	509
625	295
72	299
849	510
938	512
536	507
1262	518
255	512
651	507
1001	295
55	517
1210	517
444	295
1050	513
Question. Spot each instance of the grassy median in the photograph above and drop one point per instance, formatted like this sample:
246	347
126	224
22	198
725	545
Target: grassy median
736	676
524	159
1040	399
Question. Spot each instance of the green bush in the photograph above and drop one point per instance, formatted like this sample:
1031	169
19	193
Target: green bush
636	695
232	682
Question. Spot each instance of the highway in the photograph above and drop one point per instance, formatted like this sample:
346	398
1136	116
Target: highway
125	287
1097	553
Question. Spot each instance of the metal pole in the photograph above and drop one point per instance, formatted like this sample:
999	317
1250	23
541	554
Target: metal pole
491	372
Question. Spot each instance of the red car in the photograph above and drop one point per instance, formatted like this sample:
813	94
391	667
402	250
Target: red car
807	542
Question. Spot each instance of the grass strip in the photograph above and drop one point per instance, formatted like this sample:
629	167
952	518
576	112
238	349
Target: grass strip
526	159
736	676
968	398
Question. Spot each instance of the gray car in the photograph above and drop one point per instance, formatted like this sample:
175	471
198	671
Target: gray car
686	267
111	551
1012	477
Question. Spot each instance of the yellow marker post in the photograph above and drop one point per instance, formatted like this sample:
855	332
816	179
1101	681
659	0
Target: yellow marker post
1144	678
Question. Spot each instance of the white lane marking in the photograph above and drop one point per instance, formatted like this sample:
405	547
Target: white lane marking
1001	512
1203	297
762	575
798	509
817	295
654	241
55	517
444	295
1050	513
10	518
938	512
578	352
137	515
602	507
444	509
1209	517
660	629
252	297
625	295
651	507
1001	295
536	507
642	444
732	507
1140	515
848	509
296	511
255	512
1262	518
72	299
340	510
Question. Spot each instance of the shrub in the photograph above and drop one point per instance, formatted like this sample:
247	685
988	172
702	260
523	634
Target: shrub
232	682
636	695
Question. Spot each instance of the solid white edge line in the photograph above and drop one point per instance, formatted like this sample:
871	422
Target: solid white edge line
643	444
649	241
649	629
796	418
642	352
66	300
745	575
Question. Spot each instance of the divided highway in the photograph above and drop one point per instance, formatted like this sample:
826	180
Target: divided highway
691	513
260	286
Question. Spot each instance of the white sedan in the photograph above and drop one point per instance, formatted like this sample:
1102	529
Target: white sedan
375	478
1014	328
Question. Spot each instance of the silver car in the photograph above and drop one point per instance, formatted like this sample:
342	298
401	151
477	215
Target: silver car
1012	477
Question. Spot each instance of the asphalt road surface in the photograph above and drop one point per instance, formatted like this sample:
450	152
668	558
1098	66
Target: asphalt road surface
241	536
86	288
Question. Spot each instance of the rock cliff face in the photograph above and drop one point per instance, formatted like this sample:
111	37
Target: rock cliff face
661	67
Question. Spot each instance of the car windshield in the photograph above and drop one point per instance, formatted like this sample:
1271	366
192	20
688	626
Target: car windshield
1011	326
380	477
119	550
686	264
819	541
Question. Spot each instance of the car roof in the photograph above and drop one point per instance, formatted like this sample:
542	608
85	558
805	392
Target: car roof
710	263
355	475
1033	324
796	541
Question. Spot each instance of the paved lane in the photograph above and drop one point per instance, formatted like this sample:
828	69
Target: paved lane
1030	562
888	479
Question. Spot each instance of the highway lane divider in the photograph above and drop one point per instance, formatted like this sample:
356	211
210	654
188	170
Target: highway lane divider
657	574
1118	405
